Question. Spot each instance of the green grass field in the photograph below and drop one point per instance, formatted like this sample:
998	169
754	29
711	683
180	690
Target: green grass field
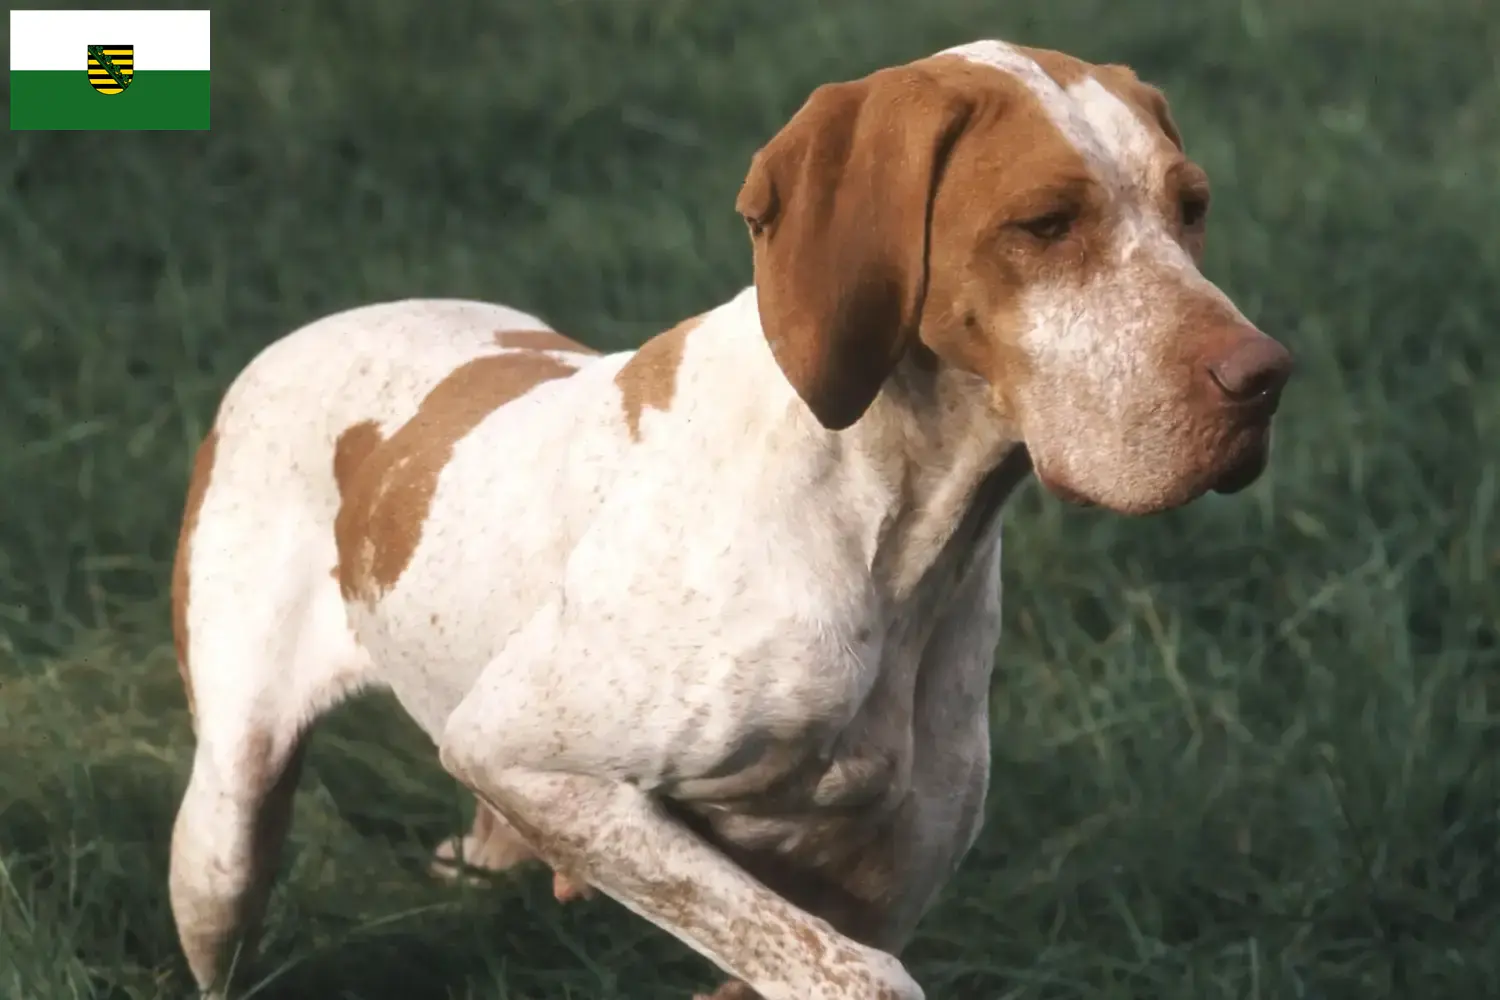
1245	750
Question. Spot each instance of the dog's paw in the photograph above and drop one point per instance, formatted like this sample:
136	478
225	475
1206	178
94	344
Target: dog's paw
565	890
732	990
466	859
494	846
447	867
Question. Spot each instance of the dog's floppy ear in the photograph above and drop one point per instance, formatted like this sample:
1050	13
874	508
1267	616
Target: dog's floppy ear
839	206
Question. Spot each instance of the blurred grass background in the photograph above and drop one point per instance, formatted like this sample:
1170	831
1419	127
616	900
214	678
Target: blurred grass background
1244	750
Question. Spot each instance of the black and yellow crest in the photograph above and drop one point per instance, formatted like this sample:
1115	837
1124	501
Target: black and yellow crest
111	67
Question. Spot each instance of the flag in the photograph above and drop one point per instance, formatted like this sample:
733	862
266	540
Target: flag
109	70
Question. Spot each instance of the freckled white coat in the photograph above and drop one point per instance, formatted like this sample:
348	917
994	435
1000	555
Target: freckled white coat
707	652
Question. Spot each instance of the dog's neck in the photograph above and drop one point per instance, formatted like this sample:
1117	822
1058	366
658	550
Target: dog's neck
931	461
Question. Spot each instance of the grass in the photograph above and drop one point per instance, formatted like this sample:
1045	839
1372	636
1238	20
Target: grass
1244	750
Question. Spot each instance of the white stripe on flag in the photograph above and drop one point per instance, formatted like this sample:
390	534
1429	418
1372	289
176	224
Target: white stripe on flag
59	39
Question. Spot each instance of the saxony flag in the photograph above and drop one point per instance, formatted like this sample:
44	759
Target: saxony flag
109	69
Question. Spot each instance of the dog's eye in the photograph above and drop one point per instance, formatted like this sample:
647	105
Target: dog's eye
1050	227
1194	208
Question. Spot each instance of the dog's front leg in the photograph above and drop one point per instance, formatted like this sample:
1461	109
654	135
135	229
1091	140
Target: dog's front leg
616	837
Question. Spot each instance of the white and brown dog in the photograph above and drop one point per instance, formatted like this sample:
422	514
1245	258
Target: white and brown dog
709	626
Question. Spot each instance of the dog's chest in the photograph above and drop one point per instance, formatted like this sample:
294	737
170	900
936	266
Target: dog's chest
863	833
824	829
836	831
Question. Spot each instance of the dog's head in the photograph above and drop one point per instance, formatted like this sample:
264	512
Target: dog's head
1030	219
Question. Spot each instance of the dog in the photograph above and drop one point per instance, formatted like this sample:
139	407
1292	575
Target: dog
709	626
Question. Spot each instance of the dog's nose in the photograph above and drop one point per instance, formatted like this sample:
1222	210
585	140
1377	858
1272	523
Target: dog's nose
1255	370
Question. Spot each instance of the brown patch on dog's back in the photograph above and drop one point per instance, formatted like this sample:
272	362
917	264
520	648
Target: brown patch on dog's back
540	340
386	497
351	450
203	464
649	378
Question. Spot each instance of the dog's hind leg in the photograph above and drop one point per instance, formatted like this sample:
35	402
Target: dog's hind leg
264	646
225	847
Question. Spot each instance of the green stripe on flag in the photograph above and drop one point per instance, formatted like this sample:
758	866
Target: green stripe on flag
63	99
